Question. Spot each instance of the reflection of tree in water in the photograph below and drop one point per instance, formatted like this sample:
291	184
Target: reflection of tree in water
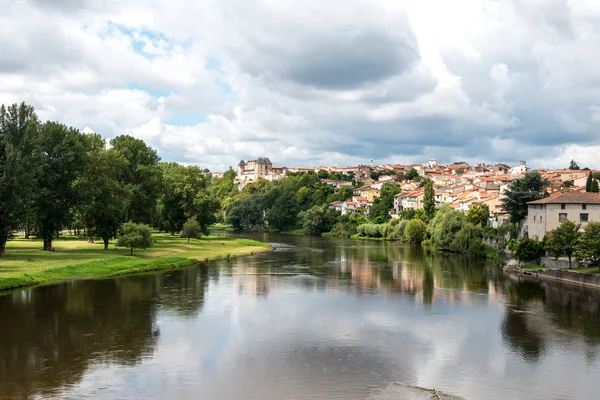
50	336
520	335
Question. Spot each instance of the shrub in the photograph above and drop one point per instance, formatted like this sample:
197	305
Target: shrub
415	231
370	230
528	250
135	236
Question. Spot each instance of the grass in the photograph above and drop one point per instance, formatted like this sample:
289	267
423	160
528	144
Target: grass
585	270
533	267
25	264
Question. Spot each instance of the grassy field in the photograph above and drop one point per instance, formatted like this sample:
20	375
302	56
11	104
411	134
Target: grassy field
25	264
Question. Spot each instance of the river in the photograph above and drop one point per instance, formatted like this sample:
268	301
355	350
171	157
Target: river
314	319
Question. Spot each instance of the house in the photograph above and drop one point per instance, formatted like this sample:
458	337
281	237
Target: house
370	193
519	169
336	205
409	200
254	170
545	215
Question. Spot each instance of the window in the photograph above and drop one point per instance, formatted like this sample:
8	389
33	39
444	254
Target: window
534	218
563	206
583	217
584	206
562	217
541	219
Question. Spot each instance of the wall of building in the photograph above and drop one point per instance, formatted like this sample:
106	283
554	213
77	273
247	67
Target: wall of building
544	218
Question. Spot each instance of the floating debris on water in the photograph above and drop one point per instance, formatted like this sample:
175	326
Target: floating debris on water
397	391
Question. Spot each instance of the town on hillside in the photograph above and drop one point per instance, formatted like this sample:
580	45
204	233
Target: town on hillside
459	184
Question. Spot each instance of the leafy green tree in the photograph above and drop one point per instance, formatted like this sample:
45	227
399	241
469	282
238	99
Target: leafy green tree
135	236
142	177
322	174
380	210
588	247
444	226
528	250
564	240
412	174
191	229
594	187
415	231
530	187
588	183
375	175
429	200
64	151
317	220
568	184
469	241
101	194
479	214
19	156
573	165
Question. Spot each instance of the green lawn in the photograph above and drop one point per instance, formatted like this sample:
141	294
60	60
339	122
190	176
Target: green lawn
586	270
25	264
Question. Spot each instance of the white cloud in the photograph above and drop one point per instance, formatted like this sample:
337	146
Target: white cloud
211	82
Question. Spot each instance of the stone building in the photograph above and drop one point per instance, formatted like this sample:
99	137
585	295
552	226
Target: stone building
254	170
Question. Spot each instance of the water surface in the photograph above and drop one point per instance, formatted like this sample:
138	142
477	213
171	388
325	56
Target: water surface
314	319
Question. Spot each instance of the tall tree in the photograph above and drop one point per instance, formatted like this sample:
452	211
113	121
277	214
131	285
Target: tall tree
19	153
479	214
573	165
594	188
142	177
429	200
101	194
532	186
588	247
588	183
63	155
563	240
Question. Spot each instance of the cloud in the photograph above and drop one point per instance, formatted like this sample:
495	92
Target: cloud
323	82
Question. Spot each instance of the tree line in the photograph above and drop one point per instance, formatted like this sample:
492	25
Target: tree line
53	176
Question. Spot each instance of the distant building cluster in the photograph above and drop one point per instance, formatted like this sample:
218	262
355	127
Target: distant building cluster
459	184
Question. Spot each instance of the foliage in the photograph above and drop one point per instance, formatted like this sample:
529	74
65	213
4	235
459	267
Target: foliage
191	229
142	177
588	183
371	230
415	231
528	250
530	187
564	240
594	186
478	214
318	220
588	247
412	174
468	241
380	210
568	184
407	214
573	165
19	151
429	200
444	227
135	236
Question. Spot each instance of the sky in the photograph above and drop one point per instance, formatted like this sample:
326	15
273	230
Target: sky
316	82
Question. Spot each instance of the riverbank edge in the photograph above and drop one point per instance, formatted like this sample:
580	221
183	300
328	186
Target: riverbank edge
565	276
120	266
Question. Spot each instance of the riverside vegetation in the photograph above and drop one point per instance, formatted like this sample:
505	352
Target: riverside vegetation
55	178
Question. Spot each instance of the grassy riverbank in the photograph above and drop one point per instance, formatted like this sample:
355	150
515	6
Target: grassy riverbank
25	264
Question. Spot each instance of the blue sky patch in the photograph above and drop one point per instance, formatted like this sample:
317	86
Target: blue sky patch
186	118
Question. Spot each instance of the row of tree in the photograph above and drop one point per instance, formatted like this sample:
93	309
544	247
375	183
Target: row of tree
53	176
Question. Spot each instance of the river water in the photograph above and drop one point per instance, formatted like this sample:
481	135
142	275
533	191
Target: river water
314	319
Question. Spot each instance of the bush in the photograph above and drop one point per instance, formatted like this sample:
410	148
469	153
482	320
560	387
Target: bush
191	229
135	236
396	231
371	230
415	231
528	250
444	226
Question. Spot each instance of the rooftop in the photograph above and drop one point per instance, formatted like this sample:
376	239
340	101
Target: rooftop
570	198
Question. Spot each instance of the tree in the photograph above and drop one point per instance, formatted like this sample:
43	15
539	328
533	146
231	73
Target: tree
568	184
594	188
479	214
528	250
191	229
412	174
563	240
429	200
530	187
588	183
63	156
415	231
323	174
444	226
317	220
19	155
588	247
135	236
573	165
142	177
380	210
101	194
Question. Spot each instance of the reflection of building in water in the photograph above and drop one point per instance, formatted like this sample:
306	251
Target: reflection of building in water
249	281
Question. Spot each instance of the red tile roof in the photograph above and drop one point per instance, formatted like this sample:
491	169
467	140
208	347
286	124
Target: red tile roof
570	198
